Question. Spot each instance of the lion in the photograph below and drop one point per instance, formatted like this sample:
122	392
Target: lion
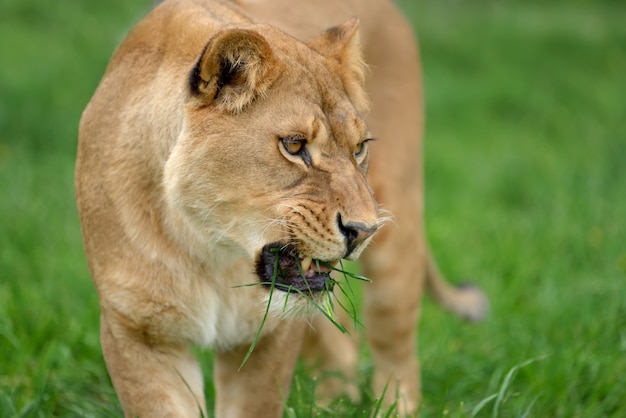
226	163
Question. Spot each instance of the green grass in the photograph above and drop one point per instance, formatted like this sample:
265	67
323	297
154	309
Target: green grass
526	196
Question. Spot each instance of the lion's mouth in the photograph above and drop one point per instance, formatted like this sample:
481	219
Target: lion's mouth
286	270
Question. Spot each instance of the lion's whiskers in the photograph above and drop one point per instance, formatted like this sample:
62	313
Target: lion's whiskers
384	219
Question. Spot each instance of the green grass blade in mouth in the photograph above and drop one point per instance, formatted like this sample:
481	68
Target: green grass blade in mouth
267	309
348	273
328	315
328	307
352	309
287	298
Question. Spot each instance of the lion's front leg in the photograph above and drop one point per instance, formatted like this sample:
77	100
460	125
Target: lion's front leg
151	381
261	387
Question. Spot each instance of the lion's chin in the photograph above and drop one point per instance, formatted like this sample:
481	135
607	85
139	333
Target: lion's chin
281	267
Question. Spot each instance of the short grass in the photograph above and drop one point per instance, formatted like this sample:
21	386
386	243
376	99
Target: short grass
526	196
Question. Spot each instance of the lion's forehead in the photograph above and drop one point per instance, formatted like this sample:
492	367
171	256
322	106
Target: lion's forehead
319	116
317	81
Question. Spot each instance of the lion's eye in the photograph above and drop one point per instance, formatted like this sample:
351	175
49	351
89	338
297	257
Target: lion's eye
361	147
358	150
293	145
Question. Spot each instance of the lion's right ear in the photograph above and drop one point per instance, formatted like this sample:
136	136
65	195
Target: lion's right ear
342	44
236	66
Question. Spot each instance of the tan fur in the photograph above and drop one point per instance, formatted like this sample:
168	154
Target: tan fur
182	179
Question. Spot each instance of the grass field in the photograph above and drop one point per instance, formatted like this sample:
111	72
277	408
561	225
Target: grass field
526	196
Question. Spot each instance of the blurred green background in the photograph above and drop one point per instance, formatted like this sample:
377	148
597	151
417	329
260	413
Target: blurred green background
526	196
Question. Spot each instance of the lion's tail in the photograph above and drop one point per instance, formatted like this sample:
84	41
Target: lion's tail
465	301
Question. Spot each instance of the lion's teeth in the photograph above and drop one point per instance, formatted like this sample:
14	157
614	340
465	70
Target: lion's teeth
306	263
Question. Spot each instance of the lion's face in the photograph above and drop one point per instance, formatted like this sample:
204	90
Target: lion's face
274	155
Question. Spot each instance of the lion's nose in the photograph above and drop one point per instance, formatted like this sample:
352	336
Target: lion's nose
355	232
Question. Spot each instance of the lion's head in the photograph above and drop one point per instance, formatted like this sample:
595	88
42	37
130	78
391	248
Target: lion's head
274	152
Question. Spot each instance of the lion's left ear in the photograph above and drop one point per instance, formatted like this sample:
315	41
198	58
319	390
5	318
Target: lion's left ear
342	44
236	66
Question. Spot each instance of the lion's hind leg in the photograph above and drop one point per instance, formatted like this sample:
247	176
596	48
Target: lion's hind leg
392	308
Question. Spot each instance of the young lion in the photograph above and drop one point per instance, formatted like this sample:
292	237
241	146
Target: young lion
220	151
